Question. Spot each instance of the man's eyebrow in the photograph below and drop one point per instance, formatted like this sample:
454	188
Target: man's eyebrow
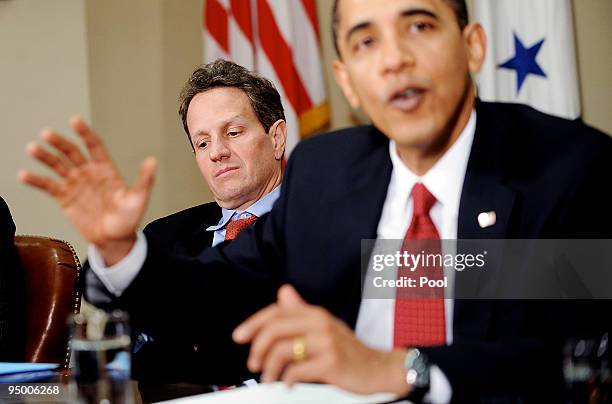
223	125
406	13
419	11
198	134
356	28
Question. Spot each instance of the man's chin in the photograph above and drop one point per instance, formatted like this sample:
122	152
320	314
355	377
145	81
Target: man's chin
230	200
414	136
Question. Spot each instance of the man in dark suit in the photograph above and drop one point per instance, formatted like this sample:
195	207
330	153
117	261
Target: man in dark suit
408	64
12	292
432	163
234	121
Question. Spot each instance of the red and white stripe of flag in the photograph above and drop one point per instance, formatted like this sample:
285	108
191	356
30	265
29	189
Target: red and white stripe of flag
280	40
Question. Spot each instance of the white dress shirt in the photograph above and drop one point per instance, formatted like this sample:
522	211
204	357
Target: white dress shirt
445	182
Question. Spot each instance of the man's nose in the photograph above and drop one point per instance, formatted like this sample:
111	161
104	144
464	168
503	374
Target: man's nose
395	55
219	149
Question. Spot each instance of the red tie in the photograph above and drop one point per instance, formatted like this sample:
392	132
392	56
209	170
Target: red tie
420	321
234	227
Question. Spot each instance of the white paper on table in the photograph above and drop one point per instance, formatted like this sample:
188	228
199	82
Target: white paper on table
277	393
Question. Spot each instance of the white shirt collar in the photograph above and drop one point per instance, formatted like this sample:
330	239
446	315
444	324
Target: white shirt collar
445	179
259	208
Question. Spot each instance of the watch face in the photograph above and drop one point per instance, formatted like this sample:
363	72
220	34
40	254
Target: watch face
417	369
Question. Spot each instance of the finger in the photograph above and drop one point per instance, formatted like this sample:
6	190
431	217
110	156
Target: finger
52	161
146	176
289	297
273	333
94	144
68	149
280	356
43	183
309	371
251	326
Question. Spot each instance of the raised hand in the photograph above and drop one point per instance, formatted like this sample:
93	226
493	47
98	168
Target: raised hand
92	194
294	341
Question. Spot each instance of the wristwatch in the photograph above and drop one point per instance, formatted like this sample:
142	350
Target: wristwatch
417	371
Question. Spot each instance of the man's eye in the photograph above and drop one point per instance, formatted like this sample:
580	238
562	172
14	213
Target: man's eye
202	145
233	133
420	26
364	43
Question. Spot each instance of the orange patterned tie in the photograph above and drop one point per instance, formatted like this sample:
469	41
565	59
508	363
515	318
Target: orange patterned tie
420	321
234	227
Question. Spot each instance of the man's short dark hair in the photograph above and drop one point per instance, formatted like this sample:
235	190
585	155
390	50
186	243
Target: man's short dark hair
459	6
264	99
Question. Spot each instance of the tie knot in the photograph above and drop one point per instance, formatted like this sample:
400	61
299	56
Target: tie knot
234	227
422	199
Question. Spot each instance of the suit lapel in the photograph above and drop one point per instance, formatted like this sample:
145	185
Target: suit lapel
484	187
485	190
197	239
483	194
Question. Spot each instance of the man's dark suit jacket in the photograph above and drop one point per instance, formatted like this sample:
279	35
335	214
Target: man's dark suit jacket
540	174
12	292
177	350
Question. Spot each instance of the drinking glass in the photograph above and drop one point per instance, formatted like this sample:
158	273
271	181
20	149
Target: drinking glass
587	370
101	358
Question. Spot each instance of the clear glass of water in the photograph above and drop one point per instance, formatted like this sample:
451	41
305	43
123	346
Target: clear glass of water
101	360
587	371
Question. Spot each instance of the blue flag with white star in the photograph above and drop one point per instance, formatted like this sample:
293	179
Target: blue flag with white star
531	57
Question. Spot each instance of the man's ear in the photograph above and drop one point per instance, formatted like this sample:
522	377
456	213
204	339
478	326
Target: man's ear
344	81
278	135
475	39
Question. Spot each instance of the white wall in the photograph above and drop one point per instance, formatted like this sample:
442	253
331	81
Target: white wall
141	53
43	81
120	65
593	38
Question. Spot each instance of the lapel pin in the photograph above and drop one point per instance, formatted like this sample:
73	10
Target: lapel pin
487	219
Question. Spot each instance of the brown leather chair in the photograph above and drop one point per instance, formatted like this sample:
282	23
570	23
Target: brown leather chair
52	271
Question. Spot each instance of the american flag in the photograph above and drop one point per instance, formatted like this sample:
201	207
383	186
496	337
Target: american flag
279	39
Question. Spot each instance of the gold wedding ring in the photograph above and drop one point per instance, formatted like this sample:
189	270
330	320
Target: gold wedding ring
299	349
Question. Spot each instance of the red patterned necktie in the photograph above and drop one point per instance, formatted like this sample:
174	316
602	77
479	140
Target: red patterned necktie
234	227
420	321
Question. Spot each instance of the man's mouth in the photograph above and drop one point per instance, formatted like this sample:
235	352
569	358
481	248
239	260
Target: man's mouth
224	170
407	99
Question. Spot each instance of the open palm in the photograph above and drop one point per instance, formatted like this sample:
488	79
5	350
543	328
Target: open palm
90	191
